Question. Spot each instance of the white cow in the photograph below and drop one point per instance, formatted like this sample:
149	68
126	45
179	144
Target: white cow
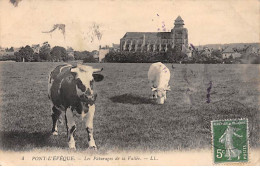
159	76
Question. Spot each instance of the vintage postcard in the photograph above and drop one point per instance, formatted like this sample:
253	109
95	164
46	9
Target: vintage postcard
129	83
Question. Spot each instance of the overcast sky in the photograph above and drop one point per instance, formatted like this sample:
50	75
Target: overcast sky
208	22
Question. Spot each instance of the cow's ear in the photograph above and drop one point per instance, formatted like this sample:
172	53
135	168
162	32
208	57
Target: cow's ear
154	89
97	70
97	77
74	71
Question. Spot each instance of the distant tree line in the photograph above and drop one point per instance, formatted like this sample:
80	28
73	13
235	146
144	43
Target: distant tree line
136	57
165	57
86	56
48	54
56	54
176	56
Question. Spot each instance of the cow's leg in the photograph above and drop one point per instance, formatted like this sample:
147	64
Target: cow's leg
55	116
89	126
151	83
155	94
71	127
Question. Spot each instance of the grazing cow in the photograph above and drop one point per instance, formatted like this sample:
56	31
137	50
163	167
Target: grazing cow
159	76
70	90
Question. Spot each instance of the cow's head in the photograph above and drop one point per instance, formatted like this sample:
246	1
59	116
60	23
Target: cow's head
85	77
161	94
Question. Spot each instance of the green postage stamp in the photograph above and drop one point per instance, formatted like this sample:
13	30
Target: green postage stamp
230	140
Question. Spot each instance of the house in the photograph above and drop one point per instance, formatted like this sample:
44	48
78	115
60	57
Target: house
227	52
16	49
206	51
2	49
236	55
252	49
102	52
188	51
36	48
115	47
70	53
95	54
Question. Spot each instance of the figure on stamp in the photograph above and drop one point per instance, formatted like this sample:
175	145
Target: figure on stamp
227	139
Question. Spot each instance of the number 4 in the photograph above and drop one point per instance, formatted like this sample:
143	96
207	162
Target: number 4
219	153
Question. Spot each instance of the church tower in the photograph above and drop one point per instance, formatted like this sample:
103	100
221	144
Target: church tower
179	34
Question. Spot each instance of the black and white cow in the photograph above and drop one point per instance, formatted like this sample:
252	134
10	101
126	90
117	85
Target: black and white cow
70	90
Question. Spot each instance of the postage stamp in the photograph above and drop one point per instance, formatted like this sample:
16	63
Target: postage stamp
230	140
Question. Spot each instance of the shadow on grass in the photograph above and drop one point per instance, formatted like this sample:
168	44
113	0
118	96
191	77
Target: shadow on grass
131	99
24	141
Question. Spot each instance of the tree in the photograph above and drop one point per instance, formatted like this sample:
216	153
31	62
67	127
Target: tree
18	57
256	60
89	59
45	51
77	55
36	57
252	58
11	49
82	55
24	54
70	53
59	53
216	53
29	54
176	55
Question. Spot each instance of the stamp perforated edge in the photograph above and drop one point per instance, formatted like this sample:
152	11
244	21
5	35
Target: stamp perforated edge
235	162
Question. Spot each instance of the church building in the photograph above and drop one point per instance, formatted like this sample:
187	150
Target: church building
156	41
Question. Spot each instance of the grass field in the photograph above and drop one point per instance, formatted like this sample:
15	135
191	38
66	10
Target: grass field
126	119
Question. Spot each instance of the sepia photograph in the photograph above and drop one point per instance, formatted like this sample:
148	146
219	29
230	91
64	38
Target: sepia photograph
129	83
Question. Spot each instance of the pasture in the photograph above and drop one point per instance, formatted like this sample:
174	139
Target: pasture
125	118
